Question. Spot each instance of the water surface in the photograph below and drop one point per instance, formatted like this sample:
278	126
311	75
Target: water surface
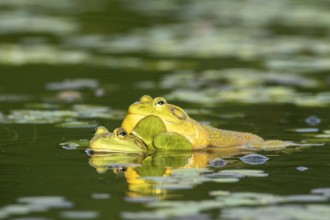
68	66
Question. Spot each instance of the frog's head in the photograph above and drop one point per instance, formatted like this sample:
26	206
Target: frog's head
118	141
169	114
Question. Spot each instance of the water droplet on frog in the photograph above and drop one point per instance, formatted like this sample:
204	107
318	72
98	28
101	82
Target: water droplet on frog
254	159
313	120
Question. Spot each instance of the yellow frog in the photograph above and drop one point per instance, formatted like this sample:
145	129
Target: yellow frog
118	141
199	135
148	134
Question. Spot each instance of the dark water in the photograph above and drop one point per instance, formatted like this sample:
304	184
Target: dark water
260	68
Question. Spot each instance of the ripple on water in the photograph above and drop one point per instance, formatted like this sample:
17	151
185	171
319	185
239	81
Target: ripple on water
254	159
218	162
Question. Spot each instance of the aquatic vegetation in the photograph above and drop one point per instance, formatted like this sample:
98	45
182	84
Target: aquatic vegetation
14	98
212	87
306	130
257	206
82	214
27	205
13	54
15	22
73	84
62	118
75	144
225	59
100	196
309	211
187	178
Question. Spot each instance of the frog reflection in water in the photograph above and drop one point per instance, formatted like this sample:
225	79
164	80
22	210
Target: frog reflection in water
137	154
199	135
136	166
152	124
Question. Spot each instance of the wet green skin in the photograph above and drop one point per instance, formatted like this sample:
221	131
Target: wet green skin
200	136
118	141
148	134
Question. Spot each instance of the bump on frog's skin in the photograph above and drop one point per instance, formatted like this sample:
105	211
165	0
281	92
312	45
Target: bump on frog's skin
118	141
200	136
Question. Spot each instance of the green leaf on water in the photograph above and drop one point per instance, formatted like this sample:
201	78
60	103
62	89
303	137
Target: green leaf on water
148	128
172	141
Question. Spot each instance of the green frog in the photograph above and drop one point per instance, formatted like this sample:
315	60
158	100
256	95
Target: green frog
199	135
148	134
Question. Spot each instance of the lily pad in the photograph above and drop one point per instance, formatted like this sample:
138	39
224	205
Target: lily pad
172	141
75	144
73	84
148	128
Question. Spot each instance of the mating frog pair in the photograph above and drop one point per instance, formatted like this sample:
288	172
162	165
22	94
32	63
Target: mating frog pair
153	124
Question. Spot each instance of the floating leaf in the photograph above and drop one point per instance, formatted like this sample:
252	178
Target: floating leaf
306	130
172	141
46	201
100	196
77	124
245	172
148	128
73	84
75	144
79	214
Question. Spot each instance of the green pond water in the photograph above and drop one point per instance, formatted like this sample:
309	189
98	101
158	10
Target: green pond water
254	66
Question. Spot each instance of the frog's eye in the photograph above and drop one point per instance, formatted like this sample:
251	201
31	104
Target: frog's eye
159	102
123	133
120	133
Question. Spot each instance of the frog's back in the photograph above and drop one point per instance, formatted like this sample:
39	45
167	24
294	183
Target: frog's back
226	138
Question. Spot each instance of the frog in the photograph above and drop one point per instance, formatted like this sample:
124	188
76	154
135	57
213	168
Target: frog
199	135
118	141
149	134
